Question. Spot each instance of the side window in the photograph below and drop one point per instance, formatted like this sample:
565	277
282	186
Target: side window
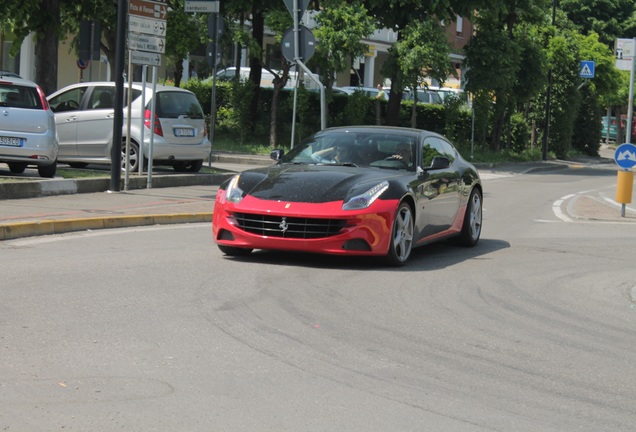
68	101
447	150
102	98
430	148
433	147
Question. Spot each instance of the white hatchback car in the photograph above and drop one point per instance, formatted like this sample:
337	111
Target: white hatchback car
27	127
84	114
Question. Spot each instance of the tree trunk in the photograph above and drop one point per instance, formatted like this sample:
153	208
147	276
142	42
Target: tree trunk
395	100
178	73
279	84
46	47
414	108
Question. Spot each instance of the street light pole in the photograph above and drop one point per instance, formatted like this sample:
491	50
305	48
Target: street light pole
546	133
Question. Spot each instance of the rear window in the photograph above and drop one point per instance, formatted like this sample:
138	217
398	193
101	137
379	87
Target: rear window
178	104
17	96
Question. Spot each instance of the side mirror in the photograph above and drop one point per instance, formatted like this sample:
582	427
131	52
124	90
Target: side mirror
277	154
440	162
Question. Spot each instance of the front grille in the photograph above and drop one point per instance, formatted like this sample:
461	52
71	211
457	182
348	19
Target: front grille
288	227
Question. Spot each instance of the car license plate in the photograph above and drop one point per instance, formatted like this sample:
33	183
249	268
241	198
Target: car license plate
11	141
183	132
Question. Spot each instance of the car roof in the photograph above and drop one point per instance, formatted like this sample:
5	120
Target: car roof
383	129
17	81
135	85
4	73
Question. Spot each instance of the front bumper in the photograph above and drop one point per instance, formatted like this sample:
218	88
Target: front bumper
364	232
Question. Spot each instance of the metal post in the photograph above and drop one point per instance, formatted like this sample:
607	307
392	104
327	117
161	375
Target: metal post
213	95
153	104
630	107
140	156
128	120
120	47
546	133
296	57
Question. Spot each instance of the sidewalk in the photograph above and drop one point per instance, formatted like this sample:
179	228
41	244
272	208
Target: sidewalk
173	199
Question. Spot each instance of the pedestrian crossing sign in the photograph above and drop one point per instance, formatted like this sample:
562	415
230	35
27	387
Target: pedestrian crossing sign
587	69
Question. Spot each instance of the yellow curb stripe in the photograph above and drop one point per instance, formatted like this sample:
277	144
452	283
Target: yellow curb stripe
47	227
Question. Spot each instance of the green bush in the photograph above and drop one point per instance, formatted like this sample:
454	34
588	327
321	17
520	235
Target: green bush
519	133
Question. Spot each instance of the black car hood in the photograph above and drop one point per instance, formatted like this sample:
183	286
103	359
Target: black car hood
312	183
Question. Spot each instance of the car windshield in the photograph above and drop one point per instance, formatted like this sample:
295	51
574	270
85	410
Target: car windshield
380	150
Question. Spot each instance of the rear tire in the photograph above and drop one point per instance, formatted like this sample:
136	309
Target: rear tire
471	228
17	167
48	171
234	251
401	237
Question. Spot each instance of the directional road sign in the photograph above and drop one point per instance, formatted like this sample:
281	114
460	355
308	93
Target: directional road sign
148	9
149	26
625	156
145	58
587	69
204	6
142	42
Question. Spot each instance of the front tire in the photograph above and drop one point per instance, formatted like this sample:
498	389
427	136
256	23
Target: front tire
190	166
133	157
234	251
78	165
471	228
401	237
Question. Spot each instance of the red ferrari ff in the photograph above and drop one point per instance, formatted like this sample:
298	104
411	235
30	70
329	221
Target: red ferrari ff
364	190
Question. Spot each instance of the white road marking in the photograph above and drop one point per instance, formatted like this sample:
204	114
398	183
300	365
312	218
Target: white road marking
556	208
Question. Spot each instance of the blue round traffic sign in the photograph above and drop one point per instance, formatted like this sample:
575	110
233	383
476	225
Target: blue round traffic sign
625	156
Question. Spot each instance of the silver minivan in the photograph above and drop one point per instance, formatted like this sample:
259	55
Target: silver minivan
84	115
27	127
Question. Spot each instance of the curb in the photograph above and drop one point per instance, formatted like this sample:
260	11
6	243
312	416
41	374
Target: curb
47	227
54	187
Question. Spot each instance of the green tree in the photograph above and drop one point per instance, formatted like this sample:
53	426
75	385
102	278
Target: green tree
506	61
342	25
42	18
278	21
397	15
419	60
607	18
185	32
493	60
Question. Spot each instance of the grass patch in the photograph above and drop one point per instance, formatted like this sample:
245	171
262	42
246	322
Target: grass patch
81	173
504	156
234	145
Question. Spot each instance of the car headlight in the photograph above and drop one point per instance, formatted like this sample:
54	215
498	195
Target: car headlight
364	200
234	193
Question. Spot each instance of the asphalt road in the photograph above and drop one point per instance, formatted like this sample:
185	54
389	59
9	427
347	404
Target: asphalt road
154	329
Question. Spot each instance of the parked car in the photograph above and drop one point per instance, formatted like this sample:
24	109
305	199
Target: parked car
613	127
372	92
84	115
362	190
425	96
228	74
27	127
